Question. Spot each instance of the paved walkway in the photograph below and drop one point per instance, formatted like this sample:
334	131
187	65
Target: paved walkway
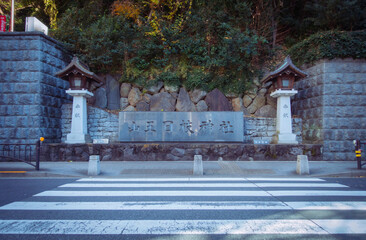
184	168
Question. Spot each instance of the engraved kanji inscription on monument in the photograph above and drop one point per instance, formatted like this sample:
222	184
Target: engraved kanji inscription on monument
181	127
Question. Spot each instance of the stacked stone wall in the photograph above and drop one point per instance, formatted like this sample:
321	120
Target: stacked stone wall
178	152
31	97
114	95
332	104
101	124
308	103
257	128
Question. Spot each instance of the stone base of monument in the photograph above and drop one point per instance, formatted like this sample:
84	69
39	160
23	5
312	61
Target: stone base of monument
302	167
197	165
287	138
78	138
94	165
179	151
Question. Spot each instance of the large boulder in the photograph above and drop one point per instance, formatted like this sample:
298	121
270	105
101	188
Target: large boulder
162	102
216	101
184	103
129	109
155	89
201	106
247	100
142	106
272	101
146	97
266	111
197	95
257	103
134	96
237	104
101	98
123	103
125	89
263	91
113	94
171	89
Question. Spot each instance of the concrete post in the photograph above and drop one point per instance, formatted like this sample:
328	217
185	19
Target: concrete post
94	165
302	167
197	165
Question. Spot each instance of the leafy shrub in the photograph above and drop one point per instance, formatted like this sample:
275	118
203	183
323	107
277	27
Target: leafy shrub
170	78
104	43
329	45
213	49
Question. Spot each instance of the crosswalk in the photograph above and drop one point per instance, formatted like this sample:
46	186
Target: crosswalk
190	207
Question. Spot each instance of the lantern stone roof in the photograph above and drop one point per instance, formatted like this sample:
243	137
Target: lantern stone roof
286	68
76	66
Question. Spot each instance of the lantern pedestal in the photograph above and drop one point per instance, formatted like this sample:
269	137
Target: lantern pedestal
284	117
79	127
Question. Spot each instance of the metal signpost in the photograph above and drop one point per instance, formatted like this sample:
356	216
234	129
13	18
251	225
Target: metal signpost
12	16
360	146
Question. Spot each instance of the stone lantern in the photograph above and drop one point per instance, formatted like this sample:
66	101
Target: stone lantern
81	80
283	80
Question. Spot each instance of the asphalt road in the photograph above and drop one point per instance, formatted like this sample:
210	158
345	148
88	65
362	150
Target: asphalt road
16	189
47	208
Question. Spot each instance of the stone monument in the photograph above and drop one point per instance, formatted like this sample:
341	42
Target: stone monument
181	126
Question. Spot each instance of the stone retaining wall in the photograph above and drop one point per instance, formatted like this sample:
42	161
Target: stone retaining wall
30	95
127	97
332	104
101	124
259	128
33	103
178	152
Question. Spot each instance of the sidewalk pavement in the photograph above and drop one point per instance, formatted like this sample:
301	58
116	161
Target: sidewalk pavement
147	169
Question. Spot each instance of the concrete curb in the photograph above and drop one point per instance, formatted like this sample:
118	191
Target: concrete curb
240	169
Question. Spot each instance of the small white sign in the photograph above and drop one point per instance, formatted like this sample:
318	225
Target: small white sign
100	141
260	141
33	24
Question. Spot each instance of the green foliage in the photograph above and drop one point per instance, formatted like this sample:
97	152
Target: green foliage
51	10
302	18
213	49
107	43
336	14
45	10
329	45
198	79
206	44
103	42
170	78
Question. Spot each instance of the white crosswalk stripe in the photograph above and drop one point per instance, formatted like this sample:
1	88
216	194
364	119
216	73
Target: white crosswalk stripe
160	185
317	193
179	205
219	205
160	179
161	227
151	193
199	185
